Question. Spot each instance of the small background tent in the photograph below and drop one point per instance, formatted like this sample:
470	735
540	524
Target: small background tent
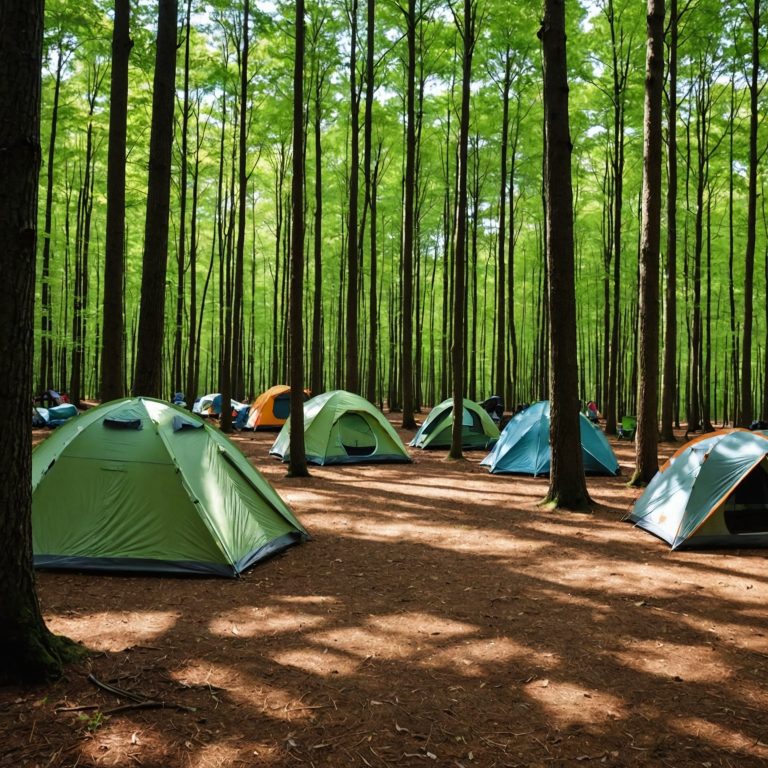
477	427
712	493
343	428
524	445
272	408
141	485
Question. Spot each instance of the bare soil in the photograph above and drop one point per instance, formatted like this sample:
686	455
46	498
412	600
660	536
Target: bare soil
438	617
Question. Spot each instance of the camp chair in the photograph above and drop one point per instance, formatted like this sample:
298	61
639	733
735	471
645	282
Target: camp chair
627	428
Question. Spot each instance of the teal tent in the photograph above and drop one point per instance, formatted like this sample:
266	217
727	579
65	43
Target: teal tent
524	446
712	493
343	428
142	485
477	428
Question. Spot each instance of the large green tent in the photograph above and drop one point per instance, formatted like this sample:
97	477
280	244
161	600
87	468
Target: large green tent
712	493
142	485
477	427
343	428
524	445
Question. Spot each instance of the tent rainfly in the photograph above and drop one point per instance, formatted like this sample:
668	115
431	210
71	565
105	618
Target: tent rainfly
712	493
343	428
524	446
478	430
142	485
272	408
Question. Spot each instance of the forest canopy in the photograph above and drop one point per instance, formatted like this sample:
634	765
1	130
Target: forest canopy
356	83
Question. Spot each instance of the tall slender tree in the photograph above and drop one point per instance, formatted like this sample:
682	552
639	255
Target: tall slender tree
297	466
567	487
148	379
408	421
646	446
112	350
467	30
746	404
669	384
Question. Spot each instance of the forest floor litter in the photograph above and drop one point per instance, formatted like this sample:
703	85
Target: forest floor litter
438	617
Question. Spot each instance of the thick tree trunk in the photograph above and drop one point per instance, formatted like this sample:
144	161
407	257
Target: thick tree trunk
567	487
29	653
646	448
149	363
112	352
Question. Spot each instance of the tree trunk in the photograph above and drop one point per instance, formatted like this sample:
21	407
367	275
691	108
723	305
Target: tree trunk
45	378
567	487
149	364
467	31
297	466
29	653
669	385
352	355
746	410
112	353
646	446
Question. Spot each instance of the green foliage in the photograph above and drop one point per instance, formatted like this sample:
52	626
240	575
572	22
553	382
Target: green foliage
714	40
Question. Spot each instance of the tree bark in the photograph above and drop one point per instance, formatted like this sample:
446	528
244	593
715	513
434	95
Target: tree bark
297	466
669	384
29	653
746	410
646	446
149	361
112	352
467	30
567	487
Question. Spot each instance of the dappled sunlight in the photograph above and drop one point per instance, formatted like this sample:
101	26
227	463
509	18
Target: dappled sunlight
318	661
484	542
224	681
674	661
567	703
112	739
119	629
719	736
479	658
396	636
269	620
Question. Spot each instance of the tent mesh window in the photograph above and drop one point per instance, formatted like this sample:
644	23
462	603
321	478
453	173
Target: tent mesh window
356	435
746	509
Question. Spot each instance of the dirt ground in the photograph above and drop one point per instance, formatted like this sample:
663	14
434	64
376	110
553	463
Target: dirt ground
438	617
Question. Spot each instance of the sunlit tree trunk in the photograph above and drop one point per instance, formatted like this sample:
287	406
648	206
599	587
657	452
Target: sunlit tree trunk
646	446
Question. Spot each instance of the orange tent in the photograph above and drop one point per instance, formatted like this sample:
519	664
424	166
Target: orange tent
271	409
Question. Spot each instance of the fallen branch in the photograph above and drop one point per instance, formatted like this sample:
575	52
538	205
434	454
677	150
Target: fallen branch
138	700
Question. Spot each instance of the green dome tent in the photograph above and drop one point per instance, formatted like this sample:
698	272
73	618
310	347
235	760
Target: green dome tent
477	427
141	485
524	446
342	428
712	493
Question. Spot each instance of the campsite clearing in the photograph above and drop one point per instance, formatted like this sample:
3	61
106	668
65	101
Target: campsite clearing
438	617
